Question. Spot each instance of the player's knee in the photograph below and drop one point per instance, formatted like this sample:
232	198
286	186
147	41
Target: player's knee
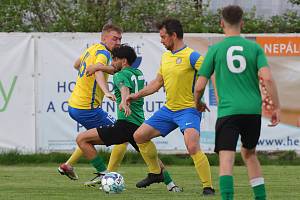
247	153
138	137
193	148
80	139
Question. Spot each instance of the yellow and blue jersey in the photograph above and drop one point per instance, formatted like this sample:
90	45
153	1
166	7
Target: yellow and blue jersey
87	94
179	72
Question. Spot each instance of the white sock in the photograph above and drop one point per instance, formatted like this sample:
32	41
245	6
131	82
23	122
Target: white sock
104	172
170	185
257	181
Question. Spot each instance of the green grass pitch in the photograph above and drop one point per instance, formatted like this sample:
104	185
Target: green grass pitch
42	182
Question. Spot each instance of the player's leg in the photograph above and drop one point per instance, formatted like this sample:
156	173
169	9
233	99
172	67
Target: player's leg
225	145
142	137
226	162
155	178
191	139
157	125
249	137
116	157
108	135
67	167
89	119
78	116
189	123
254	173
86	141
118	151
76	155
171	186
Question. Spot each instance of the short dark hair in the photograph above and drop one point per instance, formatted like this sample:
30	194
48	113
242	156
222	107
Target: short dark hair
232	14
111	27
124	51
172	26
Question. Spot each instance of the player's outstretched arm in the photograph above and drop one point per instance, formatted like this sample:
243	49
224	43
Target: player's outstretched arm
125	92
152	87
198	93
103	85
91	69
270	86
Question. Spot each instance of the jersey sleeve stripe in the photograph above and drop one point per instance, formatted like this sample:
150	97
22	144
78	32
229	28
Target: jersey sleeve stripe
93	95
104	52
193	58
194	81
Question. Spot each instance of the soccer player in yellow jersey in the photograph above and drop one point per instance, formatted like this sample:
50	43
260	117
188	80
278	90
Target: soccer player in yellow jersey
177	73
86	98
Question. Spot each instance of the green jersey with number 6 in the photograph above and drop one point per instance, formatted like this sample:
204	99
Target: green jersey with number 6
134	80
236	62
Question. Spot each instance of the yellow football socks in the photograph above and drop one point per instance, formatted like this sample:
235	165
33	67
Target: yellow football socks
203	168
75	156
116	157
149	154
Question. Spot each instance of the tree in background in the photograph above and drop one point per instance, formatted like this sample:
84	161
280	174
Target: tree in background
295	2
132	15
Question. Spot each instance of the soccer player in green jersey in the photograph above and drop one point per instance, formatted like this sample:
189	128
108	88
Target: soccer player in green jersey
126	81
237	64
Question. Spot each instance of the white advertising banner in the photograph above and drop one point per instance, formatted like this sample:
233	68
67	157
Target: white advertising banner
17	86
56	80
41	100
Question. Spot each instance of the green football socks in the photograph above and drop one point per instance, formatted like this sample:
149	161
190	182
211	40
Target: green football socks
167	177
258	186
226	187
98	163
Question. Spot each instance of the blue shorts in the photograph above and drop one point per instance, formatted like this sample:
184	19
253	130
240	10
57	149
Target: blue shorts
93	118
165	120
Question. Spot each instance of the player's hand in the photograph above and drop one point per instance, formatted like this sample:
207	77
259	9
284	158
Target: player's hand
130	98
267	106
113	65
110	96
275	117
202	107
124	107
90	70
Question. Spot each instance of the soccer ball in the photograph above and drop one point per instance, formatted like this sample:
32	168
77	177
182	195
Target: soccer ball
112	183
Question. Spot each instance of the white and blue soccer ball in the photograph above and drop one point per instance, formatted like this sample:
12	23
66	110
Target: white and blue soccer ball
112	183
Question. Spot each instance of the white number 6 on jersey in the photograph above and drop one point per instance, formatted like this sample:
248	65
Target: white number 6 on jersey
230	58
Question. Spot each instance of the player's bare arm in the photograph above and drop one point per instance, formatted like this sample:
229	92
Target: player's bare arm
198	93
77	64
152	87
99	75
270	86
125	92
91	69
